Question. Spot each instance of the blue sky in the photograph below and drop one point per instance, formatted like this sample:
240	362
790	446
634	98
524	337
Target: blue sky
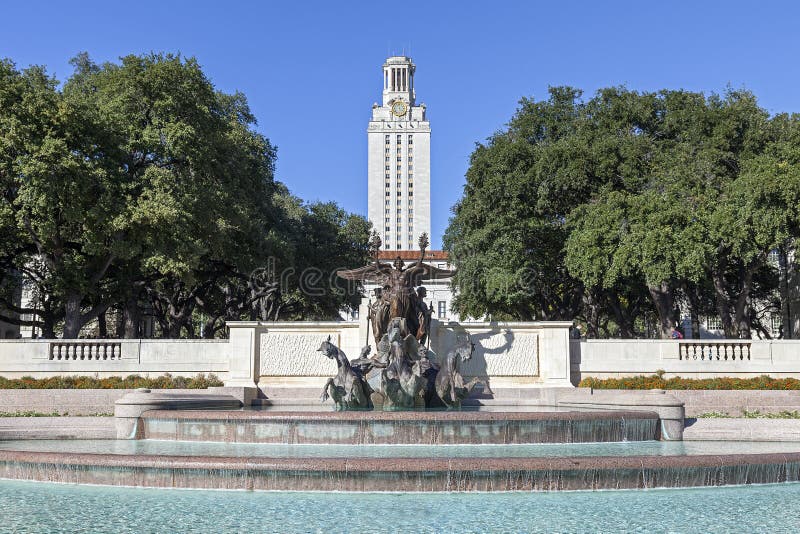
311	70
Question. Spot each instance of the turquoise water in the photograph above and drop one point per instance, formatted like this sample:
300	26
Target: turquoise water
39	507
189	448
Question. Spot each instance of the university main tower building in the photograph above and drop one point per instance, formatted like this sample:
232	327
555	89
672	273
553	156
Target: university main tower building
399	167
399	180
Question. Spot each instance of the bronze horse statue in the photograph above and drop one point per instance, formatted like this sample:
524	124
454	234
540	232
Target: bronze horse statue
347	388
450	386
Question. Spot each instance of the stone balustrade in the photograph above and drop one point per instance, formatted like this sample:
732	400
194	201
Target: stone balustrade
86	350
691	358
511	354
712	350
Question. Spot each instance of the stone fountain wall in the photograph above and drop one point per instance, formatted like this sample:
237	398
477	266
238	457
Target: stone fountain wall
531	354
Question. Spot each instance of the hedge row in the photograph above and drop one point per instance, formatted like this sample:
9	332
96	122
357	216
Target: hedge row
657	381
166	381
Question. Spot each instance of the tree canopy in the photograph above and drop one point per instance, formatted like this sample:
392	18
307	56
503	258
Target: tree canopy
138	187
616	208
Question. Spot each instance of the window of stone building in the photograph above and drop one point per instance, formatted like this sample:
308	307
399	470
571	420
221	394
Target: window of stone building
442	310
713	323
775	324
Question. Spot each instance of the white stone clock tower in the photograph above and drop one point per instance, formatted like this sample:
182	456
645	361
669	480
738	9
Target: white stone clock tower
399	168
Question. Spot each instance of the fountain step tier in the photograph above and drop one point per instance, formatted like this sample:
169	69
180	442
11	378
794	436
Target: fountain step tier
402	474
398	428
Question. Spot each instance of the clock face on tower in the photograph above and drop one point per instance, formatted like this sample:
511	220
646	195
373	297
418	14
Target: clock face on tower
399	108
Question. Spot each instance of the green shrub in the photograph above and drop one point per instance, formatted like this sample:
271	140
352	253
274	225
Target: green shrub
658	381
166	381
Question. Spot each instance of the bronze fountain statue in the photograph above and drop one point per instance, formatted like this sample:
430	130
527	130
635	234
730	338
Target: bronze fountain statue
400	375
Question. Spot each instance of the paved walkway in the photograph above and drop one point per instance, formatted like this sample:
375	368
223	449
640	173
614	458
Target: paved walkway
735	429
57	428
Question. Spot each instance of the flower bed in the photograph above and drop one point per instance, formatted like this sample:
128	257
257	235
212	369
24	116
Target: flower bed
166	381
657	381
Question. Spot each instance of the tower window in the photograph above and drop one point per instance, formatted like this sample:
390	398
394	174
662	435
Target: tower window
387	211
387	138
399	159
387	175
387	151
387	167
388	202
388	193
399	202
399	168
387	220
399	219
399	139
411	193
410	139
410	203
410	159
387	159
398	246
387	228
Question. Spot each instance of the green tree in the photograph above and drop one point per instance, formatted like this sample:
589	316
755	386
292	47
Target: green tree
670	195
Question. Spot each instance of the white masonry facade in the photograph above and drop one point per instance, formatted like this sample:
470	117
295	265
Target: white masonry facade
399	161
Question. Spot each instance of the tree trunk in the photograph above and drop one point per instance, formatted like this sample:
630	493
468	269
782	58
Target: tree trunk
721	299
133	315
790	291
694	307
72	316
592	317
663	301
102	327
742	304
